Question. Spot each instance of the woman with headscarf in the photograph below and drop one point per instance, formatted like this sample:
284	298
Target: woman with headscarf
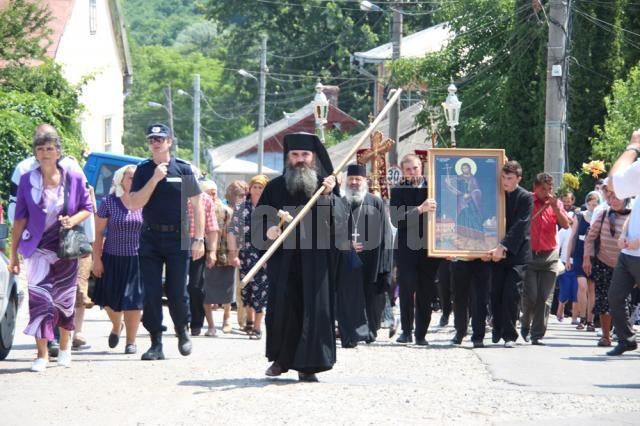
115	260
48	199
575	253
243	254
219	278
601	251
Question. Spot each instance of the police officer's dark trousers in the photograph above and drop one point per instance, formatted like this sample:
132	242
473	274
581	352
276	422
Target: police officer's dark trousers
158	249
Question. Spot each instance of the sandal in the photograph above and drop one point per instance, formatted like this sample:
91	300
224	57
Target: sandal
604	342
257	335
580	327
248	328
590	327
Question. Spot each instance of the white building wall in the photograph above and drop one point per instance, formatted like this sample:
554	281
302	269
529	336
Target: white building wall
83	54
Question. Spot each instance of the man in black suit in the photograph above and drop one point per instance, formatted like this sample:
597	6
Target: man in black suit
511	256
416	272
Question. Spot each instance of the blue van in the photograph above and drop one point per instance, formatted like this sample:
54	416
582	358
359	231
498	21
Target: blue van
101	166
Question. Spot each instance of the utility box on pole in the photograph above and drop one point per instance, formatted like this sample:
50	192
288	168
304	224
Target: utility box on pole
555	134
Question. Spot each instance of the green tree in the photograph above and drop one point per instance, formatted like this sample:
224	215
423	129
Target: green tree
594	64
30	96
622	118
308	40
158	67
23	31
158	22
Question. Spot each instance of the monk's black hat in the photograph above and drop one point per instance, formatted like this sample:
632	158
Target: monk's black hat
309	142
356	170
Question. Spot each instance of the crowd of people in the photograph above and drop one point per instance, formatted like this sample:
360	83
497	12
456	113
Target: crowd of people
337	271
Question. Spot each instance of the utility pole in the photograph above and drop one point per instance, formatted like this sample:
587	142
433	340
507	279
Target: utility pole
263	91
394	112
169	104
196	121
556	102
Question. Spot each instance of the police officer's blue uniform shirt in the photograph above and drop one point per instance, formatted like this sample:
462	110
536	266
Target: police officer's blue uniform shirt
168	200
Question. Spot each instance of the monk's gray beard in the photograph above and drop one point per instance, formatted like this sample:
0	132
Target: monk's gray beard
355	197
301	179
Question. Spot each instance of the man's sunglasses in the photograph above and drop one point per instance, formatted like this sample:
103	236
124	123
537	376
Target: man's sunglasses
155	139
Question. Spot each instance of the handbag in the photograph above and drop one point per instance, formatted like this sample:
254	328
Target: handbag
73	241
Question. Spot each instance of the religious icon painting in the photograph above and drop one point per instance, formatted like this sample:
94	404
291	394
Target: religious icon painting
470	218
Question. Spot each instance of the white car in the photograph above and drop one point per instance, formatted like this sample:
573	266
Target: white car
10	299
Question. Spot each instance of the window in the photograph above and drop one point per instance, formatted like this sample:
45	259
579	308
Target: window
108	134
105	177
92	16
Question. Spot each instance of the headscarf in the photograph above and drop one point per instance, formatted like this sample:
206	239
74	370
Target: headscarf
118	176
207	185
259	179
597	193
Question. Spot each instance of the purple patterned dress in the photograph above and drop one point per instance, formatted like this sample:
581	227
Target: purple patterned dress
120	287
52	281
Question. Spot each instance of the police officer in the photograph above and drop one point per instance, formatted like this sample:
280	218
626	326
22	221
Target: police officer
161	187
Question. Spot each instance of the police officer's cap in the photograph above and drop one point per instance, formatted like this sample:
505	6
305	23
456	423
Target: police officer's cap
158	130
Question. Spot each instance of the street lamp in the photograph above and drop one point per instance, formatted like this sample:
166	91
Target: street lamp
451	108
320	109
169	108
367	6
262	83
196	118
247	74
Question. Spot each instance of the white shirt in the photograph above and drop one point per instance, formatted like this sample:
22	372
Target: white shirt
625	184
563	237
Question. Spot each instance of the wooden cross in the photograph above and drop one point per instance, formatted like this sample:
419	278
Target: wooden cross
377	156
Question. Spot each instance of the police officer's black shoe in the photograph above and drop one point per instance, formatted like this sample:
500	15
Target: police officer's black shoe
155	351
184	342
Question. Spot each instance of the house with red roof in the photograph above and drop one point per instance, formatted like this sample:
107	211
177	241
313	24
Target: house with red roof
89	40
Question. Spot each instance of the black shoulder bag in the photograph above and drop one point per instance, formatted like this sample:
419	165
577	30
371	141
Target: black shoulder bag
73	241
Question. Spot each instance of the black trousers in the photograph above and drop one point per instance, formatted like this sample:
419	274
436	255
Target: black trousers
375	303
444	287
626	275
157	251
506	293
416	278
470	283
196	292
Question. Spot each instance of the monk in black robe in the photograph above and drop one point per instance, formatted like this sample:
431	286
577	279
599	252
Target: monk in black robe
302	272
361	293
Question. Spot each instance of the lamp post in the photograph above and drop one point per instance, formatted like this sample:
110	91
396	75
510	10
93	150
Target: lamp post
168	106
451	108
396	41
320	109
262	82
196	118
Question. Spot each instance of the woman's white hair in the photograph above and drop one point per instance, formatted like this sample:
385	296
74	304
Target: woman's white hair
118	176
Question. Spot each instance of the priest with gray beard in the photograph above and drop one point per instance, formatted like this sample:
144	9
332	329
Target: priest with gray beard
364	281
303	270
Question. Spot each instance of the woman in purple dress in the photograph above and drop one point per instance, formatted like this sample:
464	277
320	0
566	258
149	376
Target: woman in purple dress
35	235
115	260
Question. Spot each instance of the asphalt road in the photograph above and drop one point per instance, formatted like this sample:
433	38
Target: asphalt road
223	382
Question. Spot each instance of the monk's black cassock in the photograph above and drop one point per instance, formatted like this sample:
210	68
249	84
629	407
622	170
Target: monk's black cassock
303	271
